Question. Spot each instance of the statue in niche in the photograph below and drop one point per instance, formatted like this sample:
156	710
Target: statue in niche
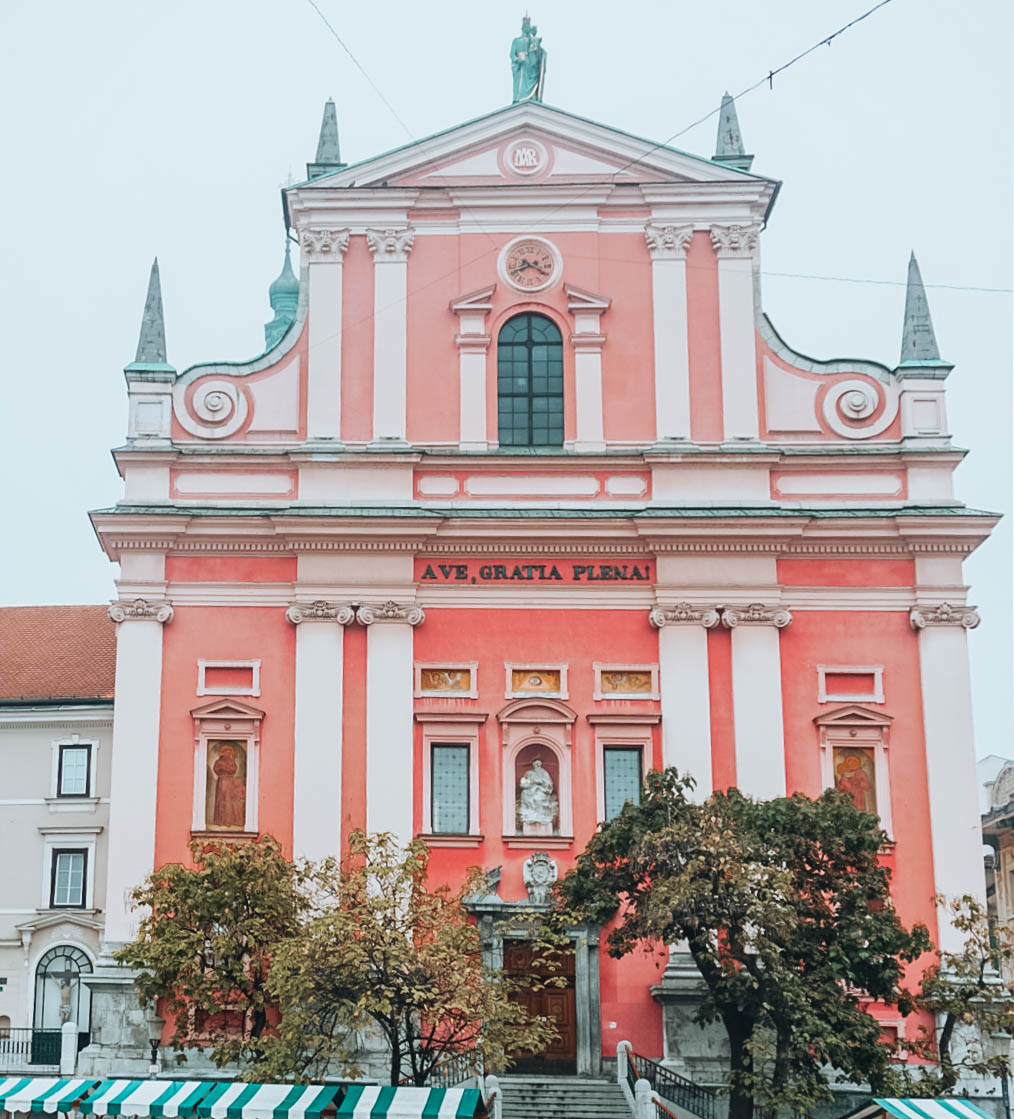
537	805
853	776
226	799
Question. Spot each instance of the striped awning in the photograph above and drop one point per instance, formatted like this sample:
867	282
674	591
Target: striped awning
943	1108
371	1101
267	1101
158	1099
42	1093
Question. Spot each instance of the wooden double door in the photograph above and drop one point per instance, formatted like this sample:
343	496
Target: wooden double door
557	1002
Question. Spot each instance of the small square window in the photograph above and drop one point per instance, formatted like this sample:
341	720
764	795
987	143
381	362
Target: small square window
74	775
621	771
450	789
67	883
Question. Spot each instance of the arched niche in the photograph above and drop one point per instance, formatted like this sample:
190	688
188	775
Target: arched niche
537	730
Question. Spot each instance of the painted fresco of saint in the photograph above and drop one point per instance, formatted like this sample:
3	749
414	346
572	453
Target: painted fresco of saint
227	788
853	776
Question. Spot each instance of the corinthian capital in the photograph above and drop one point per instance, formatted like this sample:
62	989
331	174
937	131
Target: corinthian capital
944	615
734	240
141	610
668	242
406	613
684	614
320	611
324	244
390	244
756	614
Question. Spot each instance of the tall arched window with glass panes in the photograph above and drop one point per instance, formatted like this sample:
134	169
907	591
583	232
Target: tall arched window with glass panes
529	382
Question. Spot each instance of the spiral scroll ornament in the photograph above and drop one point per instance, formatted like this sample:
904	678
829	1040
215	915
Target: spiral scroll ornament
850	408
216	409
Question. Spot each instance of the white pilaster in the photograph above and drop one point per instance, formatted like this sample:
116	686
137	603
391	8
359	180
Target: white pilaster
668	246
323	250
950	757
757	698
735	246
317	762
473	342
389	723
685	690
390	248
133	787
587	341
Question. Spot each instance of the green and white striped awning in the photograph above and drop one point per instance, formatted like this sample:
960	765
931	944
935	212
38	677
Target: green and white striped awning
157	1099
944	1108
267	1101
41	1093
371	1101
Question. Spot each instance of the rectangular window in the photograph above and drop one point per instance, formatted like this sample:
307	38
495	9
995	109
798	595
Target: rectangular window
67	885
621	770
74	777
449	785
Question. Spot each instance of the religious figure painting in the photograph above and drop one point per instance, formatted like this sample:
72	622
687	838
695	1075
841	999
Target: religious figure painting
225	803
854	776
445	679
537	802
626	682
540	681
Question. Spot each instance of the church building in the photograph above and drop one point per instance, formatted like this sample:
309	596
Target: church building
525	497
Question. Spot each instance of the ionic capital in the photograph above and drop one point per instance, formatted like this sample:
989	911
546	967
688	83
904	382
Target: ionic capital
405	613
668	242
735	240
327	245
944	615
320	611
141	610
390	244
756	614
684	614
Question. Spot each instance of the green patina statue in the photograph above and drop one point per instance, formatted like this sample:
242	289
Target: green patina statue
528	63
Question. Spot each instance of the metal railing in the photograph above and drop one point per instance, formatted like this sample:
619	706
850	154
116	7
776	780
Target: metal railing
22	1048
671	1086
456	1069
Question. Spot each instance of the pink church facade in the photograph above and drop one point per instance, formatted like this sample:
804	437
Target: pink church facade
528	484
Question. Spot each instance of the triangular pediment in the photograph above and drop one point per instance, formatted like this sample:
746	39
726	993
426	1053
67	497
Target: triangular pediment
853	715
226	709
67	918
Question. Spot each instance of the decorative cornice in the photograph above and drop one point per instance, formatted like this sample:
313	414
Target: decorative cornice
407	614
668	242
141	610
390	244
684	614
320	611
735	240
756	614
944	615
324	244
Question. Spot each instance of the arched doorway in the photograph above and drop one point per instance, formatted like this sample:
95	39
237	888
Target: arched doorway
60	996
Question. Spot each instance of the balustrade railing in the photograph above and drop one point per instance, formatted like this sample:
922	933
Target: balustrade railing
677	1089
28	1049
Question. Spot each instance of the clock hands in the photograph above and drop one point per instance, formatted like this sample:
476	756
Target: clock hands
532	264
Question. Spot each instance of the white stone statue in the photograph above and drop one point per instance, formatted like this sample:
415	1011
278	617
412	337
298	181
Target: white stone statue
538	805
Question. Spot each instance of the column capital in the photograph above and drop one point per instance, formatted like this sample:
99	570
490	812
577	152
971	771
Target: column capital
684	614
141	610
405	613
325	245
756	614
668	242
735	240
320	611
390	244
944	615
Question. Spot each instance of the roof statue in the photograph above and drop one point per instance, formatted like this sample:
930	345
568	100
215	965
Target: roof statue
729	149
283	295
918	342
528	63
329	157
151	343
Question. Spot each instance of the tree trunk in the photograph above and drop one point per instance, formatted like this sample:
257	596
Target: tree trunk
948	1075
740	1100
395	1059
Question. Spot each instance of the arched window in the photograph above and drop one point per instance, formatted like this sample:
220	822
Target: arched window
60	996
530	383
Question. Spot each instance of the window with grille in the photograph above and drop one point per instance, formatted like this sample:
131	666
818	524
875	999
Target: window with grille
530	383
449	780
621	771
67	885
74	778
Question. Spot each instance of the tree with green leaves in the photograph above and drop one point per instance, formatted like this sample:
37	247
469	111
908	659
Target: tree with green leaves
381	952
206	943
785	908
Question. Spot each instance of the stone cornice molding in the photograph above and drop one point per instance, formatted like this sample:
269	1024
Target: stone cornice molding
141	610
756	614
327	245
320	611
684	614
391	244
944	615
735	240
405	613
668	242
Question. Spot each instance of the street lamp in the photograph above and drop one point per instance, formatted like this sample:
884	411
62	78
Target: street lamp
155	1025
998	1045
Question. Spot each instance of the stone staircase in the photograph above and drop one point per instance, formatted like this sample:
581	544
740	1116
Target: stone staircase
562	1097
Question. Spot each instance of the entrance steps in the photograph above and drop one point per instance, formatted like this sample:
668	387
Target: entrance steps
562	1097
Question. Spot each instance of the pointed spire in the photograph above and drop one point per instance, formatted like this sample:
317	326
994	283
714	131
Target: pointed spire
729	149
918	342
283	296
151	343
328	151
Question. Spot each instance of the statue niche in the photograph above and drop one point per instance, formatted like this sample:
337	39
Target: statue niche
225	802
537	782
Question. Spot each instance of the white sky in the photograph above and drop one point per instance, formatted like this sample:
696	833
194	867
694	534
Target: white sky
130	128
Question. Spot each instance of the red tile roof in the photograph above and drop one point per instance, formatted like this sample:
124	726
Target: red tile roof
56	652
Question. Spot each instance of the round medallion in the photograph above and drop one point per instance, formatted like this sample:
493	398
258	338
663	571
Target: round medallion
525	157
529	264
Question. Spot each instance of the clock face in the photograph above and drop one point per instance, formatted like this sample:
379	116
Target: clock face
530	265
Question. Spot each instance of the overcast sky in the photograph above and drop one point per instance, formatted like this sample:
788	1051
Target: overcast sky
131	128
